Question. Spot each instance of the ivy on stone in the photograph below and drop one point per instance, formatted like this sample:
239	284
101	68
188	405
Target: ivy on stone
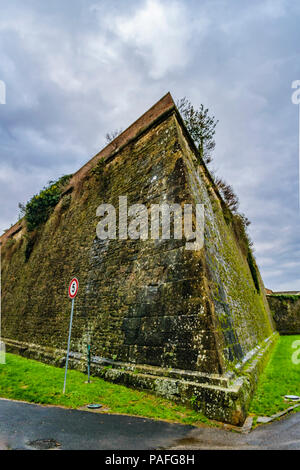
39	207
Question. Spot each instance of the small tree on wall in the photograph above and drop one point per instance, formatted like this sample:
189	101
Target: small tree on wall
201	127
111	136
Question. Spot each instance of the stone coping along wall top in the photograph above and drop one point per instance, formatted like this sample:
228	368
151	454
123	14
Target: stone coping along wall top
164	105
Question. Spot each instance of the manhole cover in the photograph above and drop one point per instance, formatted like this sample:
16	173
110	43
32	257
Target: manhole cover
44	444
94	406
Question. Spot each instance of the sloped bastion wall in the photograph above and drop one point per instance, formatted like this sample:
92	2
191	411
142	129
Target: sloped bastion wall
191	325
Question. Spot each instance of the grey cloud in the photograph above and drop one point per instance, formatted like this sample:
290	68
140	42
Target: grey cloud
77	69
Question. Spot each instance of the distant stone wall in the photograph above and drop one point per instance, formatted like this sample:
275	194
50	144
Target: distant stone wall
286	313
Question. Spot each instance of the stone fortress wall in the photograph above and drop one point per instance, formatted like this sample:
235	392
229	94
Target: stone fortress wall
180	323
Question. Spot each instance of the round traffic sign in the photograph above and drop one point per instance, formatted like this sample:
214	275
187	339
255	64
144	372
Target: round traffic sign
73	288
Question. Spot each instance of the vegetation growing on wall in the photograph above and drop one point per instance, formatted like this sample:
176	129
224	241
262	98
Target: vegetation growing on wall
239	224
253	269
10	248
100	172
111	136
285	309
31	239
285	296
228	194
202	128
40	206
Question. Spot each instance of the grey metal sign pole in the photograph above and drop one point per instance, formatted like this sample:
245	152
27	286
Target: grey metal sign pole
73	289
89	361
69	340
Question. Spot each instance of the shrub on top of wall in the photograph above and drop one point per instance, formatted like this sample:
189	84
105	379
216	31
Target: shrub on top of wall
40	206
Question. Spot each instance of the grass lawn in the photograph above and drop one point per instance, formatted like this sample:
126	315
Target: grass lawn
32	381
281	377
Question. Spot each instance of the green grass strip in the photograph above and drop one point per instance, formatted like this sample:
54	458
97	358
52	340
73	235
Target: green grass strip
35	382
280	377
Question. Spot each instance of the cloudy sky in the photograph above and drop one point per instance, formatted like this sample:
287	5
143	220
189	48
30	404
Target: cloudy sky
76	69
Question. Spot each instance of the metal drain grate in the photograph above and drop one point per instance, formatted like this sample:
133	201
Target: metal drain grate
44	444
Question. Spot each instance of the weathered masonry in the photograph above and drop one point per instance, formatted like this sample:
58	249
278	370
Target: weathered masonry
285	308
189	325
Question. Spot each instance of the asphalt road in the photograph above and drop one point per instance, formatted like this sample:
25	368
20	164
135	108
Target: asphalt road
278	435
27	426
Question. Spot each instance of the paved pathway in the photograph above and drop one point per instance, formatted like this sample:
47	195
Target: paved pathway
27	426
280	435
21	424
